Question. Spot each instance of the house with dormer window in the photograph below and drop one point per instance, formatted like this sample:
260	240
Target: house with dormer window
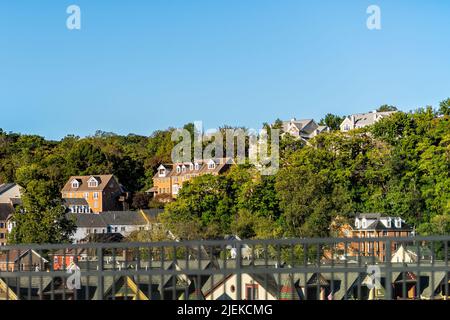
169	178
92	194
373	226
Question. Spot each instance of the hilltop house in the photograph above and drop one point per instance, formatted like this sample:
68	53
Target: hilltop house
361	120
169	179
10	197
96	193
304	129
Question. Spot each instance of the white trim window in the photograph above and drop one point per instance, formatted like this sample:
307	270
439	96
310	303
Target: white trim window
211	164
196	166
75	184
92	183
191	166
95	195
161	171
183	168
178	169
389	223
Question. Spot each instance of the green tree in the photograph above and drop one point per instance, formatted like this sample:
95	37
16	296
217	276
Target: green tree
386	107
444	107
332	121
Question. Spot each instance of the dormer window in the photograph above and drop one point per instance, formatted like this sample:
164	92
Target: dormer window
183	168
357	224
364	223
92	183
191	166
211	165
178	169
389	223
75	184
196	166
161	171
398	223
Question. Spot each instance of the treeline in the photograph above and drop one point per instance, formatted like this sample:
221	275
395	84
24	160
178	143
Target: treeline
400	166
42	168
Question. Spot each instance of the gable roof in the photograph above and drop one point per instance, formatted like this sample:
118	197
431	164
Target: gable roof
6	186
221	165
6	210
123	218
103	181
110	218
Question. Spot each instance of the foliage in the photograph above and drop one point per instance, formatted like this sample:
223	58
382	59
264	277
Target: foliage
332	121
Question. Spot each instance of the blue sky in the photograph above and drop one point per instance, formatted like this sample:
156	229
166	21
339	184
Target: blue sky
138	66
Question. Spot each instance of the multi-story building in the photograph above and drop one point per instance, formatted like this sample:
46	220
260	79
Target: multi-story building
373	226
361	120
170	178
10	197
97	193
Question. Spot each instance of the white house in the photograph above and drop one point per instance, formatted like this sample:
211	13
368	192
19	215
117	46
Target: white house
123	222
304	129
361	120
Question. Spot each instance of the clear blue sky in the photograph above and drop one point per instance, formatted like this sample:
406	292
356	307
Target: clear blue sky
137	66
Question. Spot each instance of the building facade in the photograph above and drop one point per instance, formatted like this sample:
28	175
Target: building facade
97	193
10	198
361	120
169	179
373	226
304	129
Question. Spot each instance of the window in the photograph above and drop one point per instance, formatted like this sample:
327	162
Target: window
357	225
191	167
122	229
178	169
183	168
197	166
115	229
86	195
95	204
2	225
364	223
92	183
162	172
95	195
251	292
75	184
211	165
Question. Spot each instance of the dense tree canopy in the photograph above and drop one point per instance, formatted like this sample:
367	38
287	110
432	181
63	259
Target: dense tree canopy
399	166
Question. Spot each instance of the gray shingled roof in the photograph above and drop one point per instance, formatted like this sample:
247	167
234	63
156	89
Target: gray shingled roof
123	218
108	218
6	186
5	210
